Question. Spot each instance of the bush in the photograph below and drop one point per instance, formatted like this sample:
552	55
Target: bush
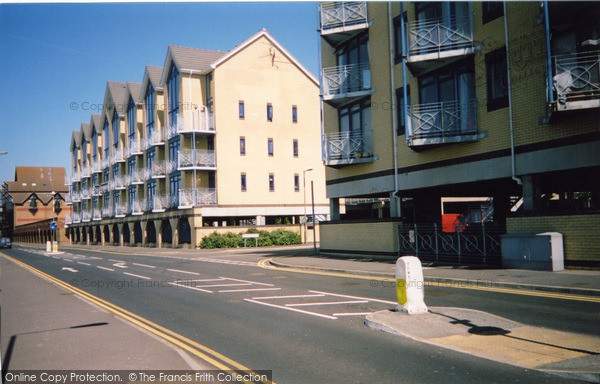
235	240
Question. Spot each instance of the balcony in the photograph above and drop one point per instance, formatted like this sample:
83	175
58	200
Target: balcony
120	210
107	212
158	170
138	207
86	194
441	123
345	83
117	156
157	137
96	214
68	220
345	148
68	199
136	177
76	177
341	20
577	81
76	218
437	42
159	203
117	183
202	122
189	198
199	159
75	197
134	149
85	171
96	190
96	167
105	163
86	216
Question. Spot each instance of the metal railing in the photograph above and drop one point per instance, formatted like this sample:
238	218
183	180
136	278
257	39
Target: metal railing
96	167
134	149
105	163
68	199
441	120
159	203
86	194
75	197
96	214
68	219
345	79
76	218
136	177
76	177
342	14
86	216
347	146
117	156
202	121
173	201
158	169
107	212
138	206
577	77
157	137
473	245
439	35
85	171
119	182
199	158
196	197
120	210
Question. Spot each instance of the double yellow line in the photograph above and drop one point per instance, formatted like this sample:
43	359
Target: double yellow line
208	355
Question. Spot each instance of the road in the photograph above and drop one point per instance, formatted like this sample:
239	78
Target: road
305	327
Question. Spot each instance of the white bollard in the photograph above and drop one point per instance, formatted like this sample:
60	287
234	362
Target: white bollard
48	246
410	285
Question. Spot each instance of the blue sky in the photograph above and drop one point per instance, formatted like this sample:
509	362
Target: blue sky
53	55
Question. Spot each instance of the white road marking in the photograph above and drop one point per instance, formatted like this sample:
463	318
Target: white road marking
247	281
285	297
106	269
144	265
140	276
292	309
67	260
69	269
356	297
222	285
352	314
180	271
81	262
95	258
248	290
190	287
120	265
327	303
116	261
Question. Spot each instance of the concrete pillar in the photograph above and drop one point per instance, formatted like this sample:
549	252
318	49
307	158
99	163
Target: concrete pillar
334	208
158	228
120	227
395	206
260	220
174	231
144	225
531	193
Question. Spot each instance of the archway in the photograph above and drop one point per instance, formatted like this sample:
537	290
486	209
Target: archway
137	233
185	232
166	232
126	234
115	234
150	233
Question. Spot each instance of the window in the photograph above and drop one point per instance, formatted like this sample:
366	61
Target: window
173	89
174	145
150	158
105	175
398	37
106	142
174	185
94	145
355	51
151	194
355	118
295	147
497	81
294	114
150	103
132	192
242	146
491	10
115	172
296	182
269	112
106	199
84	151
270	146
131	122
243	181
130	166
115	125
271	182
241	110
33	204
209	99
95	180
400	109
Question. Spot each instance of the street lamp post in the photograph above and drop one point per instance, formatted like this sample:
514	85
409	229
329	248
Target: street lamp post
304	195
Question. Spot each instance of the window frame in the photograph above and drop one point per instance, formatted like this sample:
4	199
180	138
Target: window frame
241	110
294	114
150	102
243	182
271	182
296	182
242	146
295	148
492	59
173	94
270	147
270	112
401	131
489	13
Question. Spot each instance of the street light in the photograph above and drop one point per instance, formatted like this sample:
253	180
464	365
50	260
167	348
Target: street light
304	195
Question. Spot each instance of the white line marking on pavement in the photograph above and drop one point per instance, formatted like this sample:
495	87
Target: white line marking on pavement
355	297
144	265
120	265
247	281
69	269
95	258
352	314
106	269
222	285
180	271
203	280
116	261
140	276
81	262
190	287
328	303
67	260
292	309
285	297
248	290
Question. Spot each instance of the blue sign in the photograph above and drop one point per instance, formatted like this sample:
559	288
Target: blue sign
53	226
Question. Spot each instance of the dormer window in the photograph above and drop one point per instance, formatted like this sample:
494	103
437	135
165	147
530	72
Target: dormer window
131	121
106	142
173	89
115	125
33	204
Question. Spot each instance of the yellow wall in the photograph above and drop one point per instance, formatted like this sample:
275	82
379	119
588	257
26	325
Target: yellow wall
370	237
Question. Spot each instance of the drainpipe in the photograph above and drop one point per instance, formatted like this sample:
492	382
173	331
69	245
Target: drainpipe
404	83
513	159
394	198
548	51
193	141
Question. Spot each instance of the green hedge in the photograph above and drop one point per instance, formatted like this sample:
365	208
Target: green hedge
235	240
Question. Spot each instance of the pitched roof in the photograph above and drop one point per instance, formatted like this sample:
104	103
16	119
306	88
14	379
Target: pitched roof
134	90
189	59
96	122
117	94
76	139
86	130
154	75
46	179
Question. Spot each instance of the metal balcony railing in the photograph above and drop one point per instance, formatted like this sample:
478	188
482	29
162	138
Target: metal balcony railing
157	137
195	159
107	212
85	171
96	214
96	167
439	35
86	216
159	203
348	147
346	79
577	80
105	163
343	14
76	177
117	156
75	197
442	122
68	219
119	182
68	199
86	194
120	210
191	197
136	177
76	218
134	149
158	169
173	201
138	206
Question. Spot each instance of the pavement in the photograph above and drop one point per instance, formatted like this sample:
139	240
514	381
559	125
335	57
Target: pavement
45	327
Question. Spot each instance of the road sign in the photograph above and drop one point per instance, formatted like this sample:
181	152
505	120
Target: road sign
53	226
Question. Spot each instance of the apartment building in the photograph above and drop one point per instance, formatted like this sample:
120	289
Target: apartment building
31	202
487	111
209	140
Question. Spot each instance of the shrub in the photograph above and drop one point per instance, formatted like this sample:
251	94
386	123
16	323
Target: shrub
235	240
